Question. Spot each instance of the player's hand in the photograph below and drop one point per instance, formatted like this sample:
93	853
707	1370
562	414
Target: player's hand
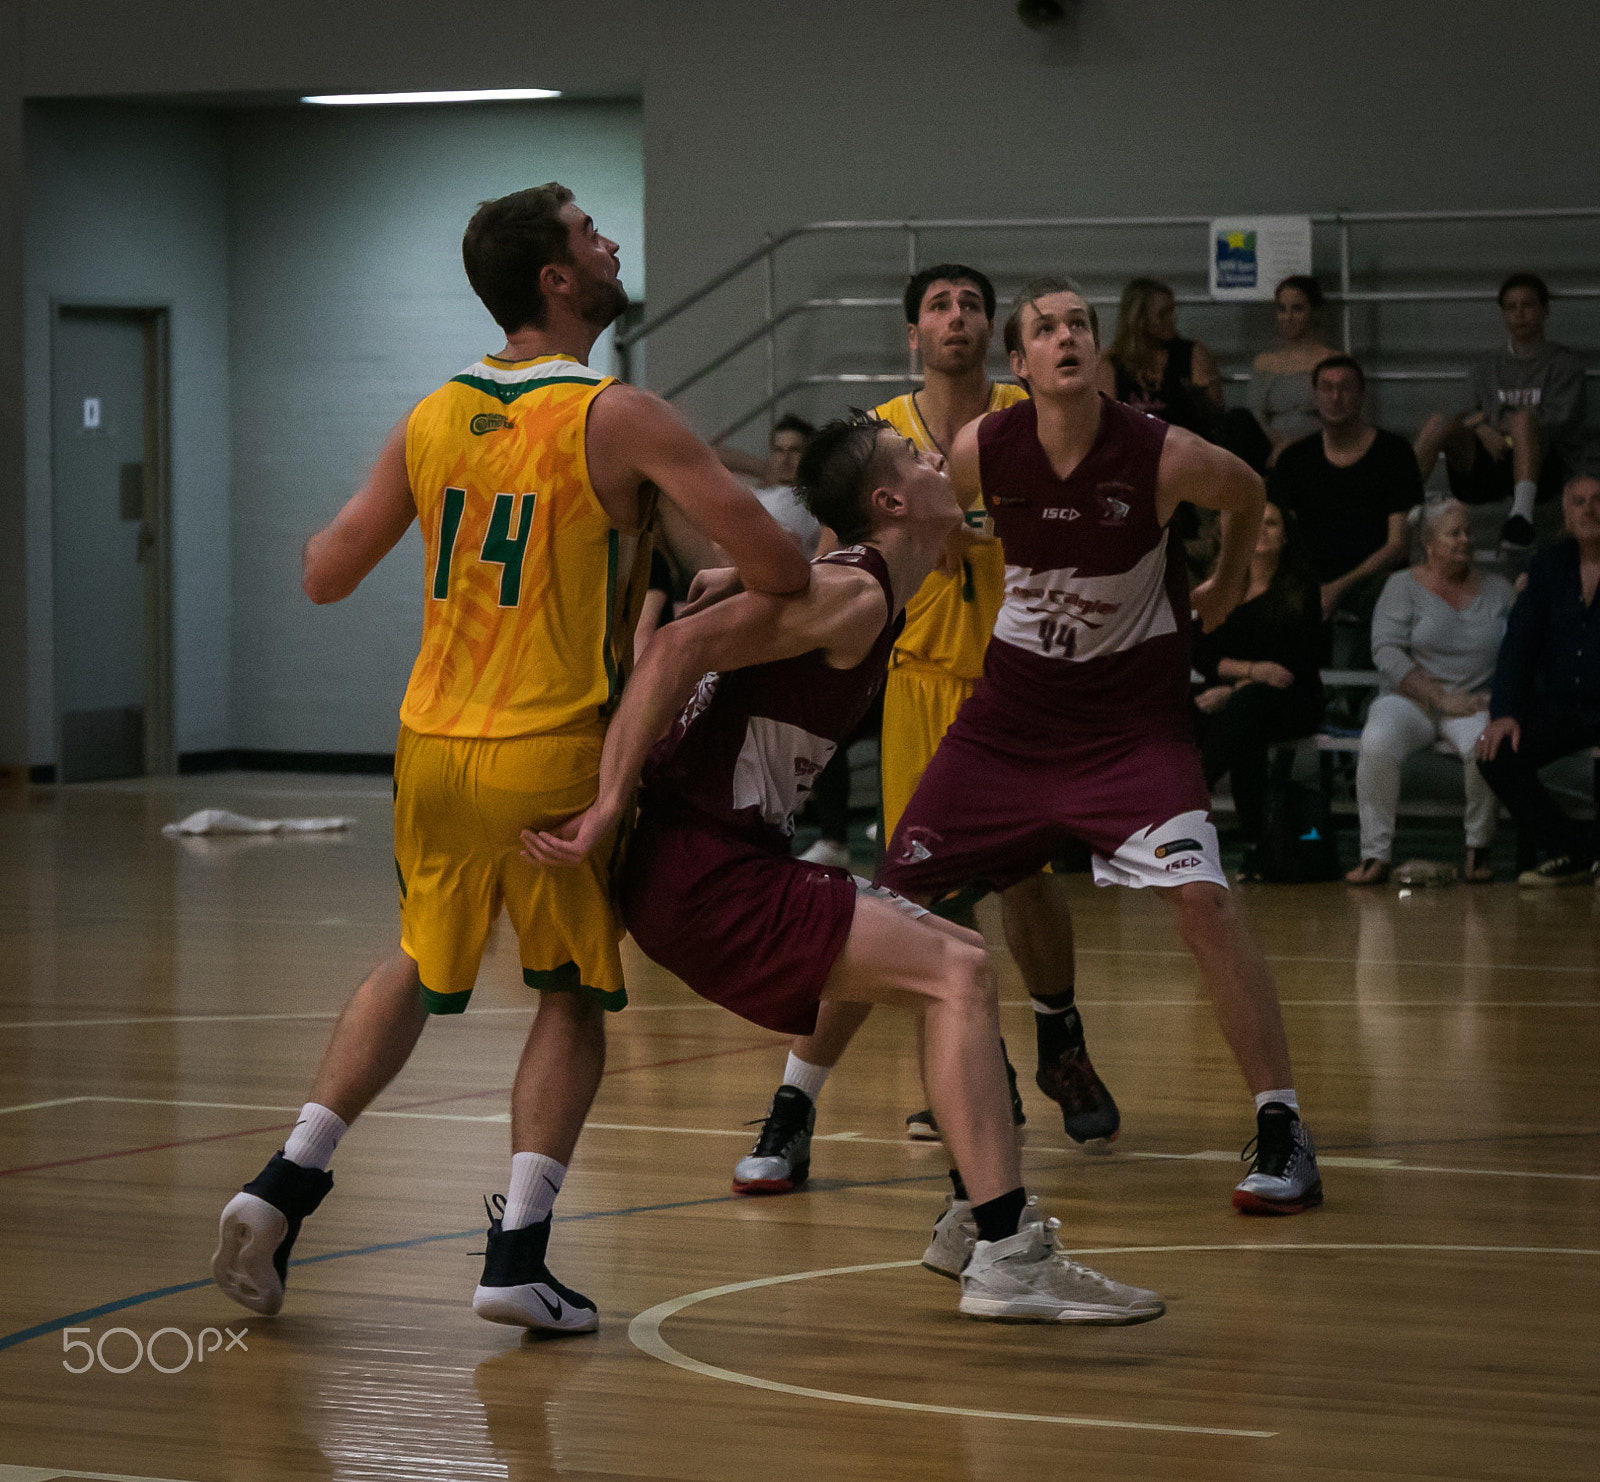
1264	671
710	587
569	843
962	540
1212	603
1496	732
1209	701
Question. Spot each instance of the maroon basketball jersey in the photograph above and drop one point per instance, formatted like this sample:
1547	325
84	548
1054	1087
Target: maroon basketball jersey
744	751
1093	632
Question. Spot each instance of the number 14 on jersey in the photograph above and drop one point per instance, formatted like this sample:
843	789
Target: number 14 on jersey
500	547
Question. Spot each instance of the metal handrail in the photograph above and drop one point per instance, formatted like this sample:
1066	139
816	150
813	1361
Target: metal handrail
1061	223
1345	296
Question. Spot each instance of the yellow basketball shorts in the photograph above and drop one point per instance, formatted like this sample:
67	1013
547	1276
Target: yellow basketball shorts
919	703
459	806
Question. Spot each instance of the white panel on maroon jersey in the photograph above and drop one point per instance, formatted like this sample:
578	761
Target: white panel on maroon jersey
776	766
1062	615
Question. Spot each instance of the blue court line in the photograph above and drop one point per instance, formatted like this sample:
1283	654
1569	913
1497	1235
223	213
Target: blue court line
73	1319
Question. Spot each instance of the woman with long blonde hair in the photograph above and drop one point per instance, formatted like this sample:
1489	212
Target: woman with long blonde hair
1152	367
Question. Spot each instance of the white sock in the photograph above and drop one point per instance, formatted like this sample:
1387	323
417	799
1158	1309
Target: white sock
1286	1096
804	1077
1522	497
315	1136
535	1182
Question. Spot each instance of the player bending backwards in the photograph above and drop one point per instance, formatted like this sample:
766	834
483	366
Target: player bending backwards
937	659
532	477
709	891
1080	727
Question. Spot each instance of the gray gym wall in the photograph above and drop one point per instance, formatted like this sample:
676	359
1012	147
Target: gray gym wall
348	305
758	117
128	206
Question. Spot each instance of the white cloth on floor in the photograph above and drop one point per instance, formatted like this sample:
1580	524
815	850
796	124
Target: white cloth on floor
221	821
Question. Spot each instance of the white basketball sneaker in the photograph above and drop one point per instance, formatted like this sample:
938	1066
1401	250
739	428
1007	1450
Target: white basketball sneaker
1028	1278
1283	1177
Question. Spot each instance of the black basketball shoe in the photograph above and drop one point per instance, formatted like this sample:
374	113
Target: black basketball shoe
258	1230
1066	1076
518	1289
921	1126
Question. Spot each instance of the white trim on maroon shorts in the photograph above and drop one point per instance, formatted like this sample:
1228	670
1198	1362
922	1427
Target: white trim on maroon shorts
889	897
1178	852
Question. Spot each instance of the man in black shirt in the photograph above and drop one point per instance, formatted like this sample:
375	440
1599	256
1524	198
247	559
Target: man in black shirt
1545	700
1348	489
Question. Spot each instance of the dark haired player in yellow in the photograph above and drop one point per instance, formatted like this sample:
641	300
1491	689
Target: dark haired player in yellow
937	659
533	478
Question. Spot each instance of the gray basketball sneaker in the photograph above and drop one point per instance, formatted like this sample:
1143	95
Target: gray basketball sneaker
956	1233
1283	1177
1029	1278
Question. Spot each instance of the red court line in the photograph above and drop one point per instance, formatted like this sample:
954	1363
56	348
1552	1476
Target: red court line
158	1147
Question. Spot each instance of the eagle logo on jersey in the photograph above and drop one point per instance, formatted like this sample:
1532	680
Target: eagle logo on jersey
1113	510
489	422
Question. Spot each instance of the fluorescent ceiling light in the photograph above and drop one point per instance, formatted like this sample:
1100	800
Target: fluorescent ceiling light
474	95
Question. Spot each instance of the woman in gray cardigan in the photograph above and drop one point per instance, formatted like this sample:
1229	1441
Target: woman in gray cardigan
1435	633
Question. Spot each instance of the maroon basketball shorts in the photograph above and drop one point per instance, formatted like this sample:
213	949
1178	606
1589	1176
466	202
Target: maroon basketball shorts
991	812
742	925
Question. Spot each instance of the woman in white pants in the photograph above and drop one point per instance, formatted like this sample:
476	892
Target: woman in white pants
1435	633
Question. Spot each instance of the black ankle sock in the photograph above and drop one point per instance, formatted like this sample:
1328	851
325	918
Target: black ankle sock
998	1218
960	1188
1057	1032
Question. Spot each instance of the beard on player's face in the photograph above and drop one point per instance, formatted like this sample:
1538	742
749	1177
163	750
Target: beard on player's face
599	301
957	359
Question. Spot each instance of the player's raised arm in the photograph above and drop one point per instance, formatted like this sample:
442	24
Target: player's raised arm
842	613
1204	474
632	433
339	555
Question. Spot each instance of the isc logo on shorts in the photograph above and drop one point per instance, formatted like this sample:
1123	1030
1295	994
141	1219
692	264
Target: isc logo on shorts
1060	512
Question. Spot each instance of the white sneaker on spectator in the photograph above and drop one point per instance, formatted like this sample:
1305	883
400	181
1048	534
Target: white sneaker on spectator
828	852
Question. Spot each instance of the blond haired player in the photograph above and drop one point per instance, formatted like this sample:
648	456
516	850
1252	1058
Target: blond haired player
937	659
533	478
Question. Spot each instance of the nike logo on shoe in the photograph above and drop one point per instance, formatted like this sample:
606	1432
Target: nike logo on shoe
554	1309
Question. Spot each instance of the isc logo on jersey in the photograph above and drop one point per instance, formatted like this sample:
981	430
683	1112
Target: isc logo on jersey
1060	512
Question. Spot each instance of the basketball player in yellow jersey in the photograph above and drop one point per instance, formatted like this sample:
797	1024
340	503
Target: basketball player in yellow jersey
938	657
534	479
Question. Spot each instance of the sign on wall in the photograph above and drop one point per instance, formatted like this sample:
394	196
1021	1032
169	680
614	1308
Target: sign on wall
1251	255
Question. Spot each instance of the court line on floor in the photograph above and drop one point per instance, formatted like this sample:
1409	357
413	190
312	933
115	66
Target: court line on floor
1209	1155
431	1101
1180	955
644	1332
105	1309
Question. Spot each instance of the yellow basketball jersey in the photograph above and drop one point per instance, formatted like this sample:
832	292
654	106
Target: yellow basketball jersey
525	612
950	618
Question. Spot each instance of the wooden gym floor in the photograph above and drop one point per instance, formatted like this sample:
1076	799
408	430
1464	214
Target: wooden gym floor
162	1005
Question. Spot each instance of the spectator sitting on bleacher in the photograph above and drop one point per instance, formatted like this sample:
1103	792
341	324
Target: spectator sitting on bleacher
1348	488
1261	667
1435	633
1281	397
1523	434
773	477
1545	701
